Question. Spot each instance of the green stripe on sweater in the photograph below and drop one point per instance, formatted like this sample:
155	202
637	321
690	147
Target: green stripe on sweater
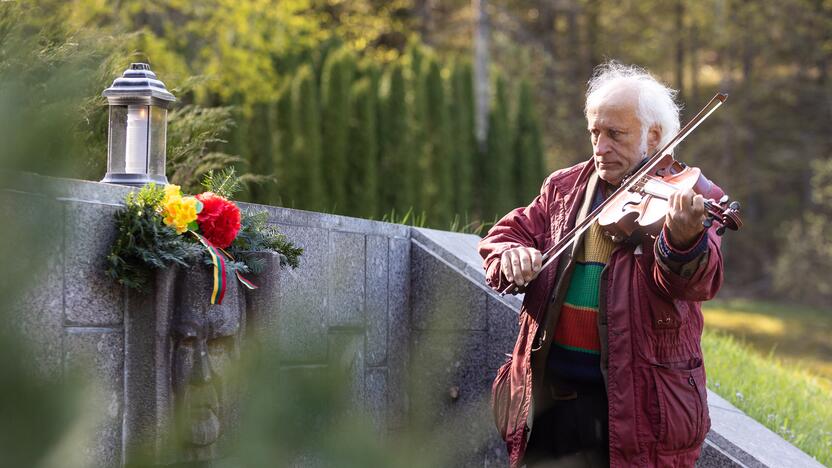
583	288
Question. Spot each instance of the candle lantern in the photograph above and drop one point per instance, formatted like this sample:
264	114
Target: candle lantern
139	105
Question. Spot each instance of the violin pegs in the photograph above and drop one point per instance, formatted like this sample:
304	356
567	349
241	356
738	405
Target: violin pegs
734	205
708	222
720	230
723	199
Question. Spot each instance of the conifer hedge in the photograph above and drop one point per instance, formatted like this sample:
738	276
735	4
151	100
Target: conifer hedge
336	84
305	166
528	146
396	162
498	182
362	193
355	138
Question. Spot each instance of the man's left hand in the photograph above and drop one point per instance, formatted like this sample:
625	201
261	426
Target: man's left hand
686	211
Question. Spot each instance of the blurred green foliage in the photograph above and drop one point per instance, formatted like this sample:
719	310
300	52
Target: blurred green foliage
803	271
43	89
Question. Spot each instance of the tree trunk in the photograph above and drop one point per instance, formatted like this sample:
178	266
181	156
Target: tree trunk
573	56
679	11
482	92
548	93
694	65
424	9
592	10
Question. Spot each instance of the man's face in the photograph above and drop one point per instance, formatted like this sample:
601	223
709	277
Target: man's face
615	132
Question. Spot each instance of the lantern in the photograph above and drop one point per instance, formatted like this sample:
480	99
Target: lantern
138	128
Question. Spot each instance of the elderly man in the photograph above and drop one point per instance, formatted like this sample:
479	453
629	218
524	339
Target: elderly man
607	369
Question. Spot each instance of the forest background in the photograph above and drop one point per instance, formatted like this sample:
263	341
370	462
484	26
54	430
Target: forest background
367	108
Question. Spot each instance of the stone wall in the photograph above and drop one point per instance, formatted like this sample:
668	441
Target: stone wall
350	292
423	334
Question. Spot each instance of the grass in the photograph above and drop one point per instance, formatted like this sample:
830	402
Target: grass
773	362
460	223
797	335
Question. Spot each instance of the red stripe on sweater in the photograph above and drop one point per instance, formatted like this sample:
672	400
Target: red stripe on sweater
578	328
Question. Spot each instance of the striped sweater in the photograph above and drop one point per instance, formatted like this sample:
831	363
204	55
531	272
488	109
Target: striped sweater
575	352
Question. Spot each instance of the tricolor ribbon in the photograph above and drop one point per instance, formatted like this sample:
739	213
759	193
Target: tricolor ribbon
220	269
240	277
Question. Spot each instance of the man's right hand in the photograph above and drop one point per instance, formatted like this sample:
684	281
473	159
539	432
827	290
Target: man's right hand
520	265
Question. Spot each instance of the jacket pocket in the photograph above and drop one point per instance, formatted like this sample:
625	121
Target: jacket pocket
683	407
501	398
666	314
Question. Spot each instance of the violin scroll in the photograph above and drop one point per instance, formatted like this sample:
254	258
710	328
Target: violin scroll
725	212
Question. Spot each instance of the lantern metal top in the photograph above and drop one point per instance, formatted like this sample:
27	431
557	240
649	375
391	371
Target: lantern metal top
138	85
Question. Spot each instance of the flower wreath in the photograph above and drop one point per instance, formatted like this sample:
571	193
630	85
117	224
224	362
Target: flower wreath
160	227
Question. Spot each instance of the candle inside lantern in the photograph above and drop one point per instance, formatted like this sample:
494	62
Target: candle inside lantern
136	144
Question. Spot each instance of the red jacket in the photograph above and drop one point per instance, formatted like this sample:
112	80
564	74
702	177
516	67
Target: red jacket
650	324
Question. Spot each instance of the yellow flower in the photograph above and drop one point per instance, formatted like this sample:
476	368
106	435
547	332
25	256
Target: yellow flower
178	211
172	192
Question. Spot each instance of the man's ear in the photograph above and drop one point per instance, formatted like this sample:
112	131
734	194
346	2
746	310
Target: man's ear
654	135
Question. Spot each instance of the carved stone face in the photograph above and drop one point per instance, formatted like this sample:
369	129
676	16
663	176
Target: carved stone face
205	341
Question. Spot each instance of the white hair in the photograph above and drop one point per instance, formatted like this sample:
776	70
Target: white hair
656	102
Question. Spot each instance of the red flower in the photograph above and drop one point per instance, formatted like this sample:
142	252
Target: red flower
219	220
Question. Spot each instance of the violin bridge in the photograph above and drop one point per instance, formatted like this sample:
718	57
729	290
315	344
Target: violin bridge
638	186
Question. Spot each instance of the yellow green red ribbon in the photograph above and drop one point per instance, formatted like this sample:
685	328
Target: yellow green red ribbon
240	277
218	292
220	268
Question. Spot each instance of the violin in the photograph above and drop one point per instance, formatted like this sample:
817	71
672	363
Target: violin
639	205
642	208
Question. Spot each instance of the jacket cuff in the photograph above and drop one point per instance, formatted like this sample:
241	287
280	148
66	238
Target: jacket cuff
669	252
682	262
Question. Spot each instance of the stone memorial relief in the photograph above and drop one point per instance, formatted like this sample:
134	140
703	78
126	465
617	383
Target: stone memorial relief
205	346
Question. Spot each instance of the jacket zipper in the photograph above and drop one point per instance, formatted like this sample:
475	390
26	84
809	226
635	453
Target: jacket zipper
602	311
545	306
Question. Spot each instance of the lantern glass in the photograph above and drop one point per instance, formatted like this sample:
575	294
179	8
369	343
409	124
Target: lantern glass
138	135
117	140
158	135
138	127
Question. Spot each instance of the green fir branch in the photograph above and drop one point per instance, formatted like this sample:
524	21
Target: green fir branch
225	183
144	243
258	235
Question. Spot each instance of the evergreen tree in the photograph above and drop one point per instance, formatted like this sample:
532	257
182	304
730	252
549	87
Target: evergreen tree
282	147
528	148
370	69
362	189
416	123
396	162
437	185
259	143
464	145
498	190
238	135
306	161
336	81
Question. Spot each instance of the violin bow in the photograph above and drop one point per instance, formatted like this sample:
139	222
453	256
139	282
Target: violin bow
554	251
